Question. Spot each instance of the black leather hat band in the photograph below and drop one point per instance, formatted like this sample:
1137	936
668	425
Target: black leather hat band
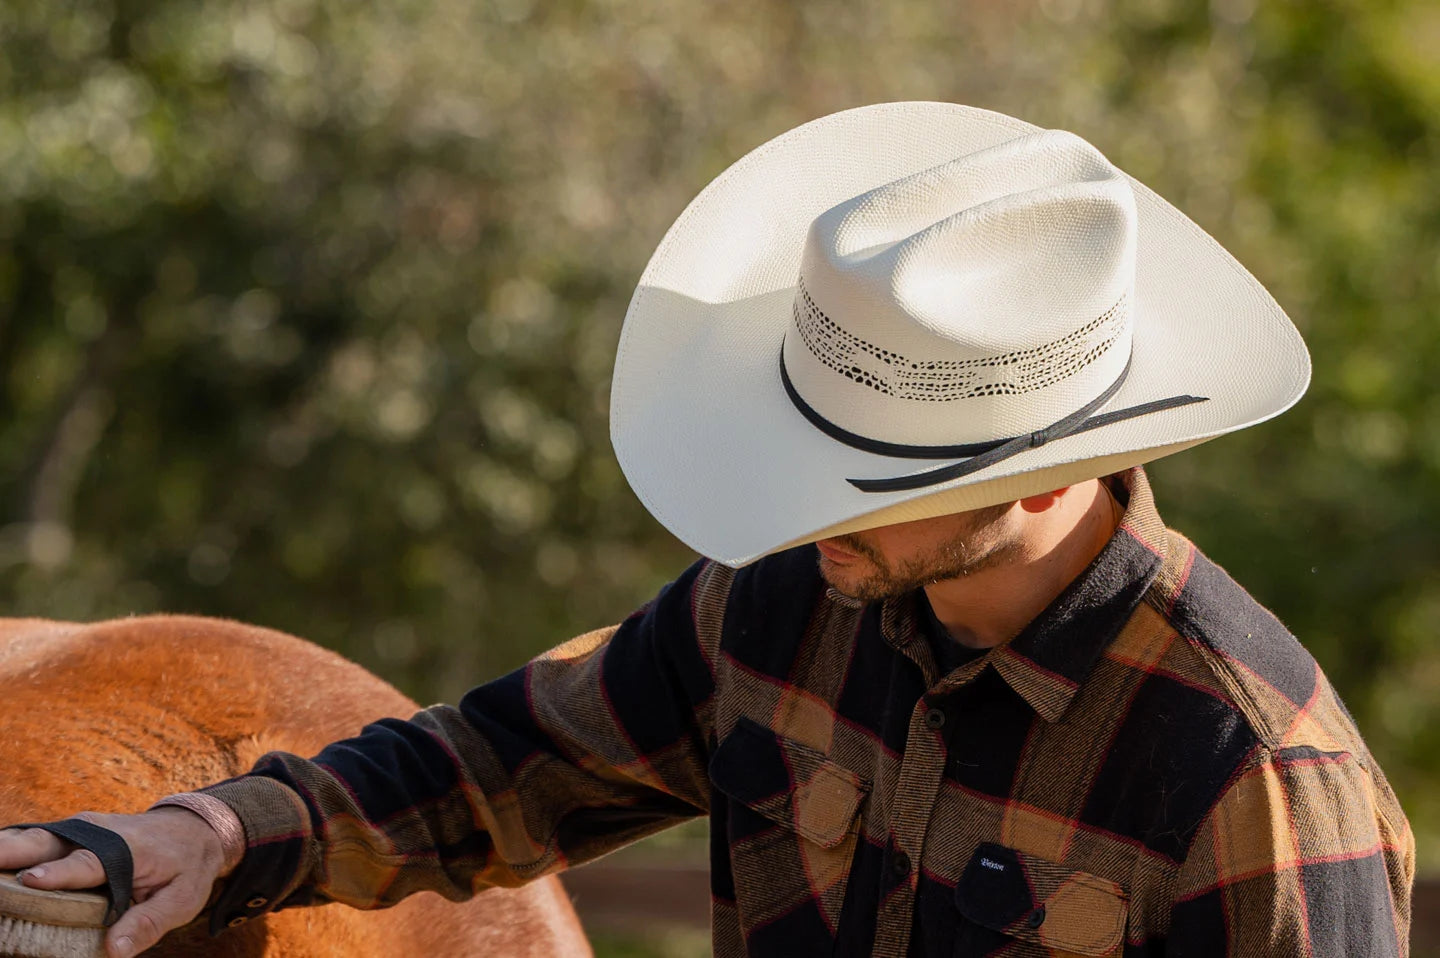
979	455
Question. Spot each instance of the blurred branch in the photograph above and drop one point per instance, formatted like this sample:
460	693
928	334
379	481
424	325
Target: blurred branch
53	469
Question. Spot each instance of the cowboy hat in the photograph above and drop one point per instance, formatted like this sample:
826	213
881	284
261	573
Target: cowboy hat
912	309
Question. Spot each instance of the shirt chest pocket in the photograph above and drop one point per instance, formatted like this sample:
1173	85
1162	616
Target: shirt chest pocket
1031	906
792	823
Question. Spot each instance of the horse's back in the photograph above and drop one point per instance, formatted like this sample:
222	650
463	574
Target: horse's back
112	715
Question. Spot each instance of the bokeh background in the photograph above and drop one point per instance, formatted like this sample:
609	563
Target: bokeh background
307	307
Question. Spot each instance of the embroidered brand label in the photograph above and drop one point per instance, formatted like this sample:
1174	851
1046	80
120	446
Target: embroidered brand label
991	864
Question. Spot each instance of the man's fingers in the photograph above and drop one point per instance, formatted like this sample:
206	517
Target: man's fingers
176	856
79	869
20	847
144	924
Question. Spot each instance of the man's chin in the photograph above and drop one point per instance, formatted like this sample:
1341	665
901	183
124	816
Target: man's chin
861	585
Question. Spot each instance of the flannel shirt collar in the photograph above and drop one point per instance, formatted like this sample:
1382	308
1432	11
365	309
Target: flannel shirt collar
1050	659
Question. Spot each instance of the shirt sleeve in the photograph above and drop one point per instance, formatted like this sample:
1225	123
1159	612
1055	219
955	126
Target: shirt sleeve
588	747
1306	853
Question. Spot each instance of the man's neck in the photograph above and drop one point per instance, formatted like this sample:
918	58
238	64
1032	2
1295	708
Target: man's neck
992	605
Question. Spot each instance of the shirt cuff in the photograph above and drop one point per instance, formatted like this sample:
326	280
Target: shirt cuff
218	816
277	854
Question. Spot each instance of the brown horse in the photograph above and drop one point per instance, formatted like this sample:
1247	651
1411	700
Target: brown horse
111	716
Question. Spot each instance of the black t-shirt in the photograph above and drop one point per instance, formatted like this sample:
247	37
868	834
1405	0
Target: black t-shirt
949	653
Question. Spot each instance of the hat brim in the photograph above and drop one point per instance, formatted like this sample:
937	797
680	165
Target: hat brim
715	450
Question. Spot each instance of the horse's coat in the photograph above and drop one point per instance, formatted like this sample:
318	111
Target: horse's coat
111	716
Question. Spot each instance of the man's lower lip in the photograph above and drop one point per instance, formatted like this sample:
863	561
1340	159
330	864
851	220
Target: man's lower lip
834	554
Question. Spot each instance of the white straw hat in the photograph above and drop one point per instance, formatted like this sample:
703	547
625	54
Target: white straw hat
912	309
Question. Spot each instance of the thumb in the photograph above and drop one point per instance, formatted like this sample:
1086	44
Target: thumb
145	923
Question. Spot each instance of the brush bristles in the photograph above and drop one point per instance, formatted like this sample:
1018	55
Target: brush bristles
30	940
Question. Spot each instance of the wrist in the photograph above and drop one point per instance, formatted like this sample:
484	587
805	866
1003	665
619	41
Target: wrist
222	821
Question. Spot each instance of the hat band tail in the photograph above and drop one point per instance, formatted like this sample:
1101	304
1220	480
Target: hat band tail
981	455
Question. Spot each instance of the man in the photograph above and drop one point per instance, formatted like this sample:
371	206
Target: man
946	685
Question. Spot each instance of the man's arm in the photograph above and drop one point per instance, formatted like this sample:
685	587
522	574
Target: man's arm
590	746
586	748
1305	854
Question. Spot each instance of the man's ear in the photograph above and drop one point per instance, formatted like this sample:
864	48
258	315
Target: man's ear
1045	500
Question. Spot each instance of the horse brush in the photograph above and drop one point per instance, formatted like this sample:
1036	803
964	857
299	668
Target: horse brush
36	923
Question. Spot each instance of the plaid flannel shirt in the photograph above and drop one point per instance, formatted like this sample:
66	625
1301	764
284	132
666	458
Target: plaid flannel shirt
1154	766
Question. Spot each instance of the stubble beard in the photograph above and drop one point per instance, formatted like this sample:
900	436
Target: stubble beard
982	545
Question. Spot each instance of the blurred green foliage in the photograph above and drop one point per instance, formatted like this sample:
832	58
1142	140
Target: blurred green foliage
663	943
307	308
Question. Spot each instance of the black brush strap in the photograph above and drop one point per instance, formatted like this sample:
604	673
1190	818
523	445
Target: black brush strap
106	845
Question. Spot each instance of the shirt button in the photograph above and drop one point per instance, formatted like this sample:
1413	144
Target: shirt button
257	902
900	864
1037	917
237	921
935	719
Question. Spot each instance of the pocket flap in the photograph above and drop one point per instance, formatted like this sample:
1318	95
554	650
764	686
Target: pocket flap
1040	901
791	784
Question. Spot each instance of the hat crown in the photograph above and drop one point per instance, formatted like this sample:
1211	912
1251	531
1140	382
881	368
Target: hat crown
978	299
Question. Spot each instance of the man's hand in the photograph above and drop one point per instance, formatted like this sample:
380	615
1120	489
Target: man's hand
178	858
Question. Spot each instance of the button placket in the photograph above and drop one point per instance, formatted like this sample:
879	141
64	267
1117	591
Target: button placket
922	769
921	772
